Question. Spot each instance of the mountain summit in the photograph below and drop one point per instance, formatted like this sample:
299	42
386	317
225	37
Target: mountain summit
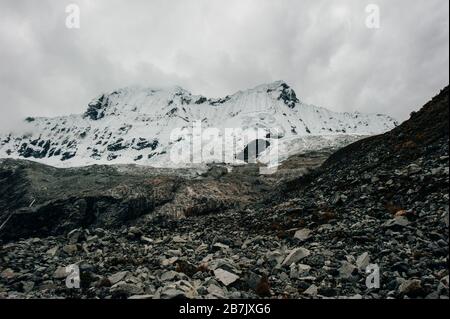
134	125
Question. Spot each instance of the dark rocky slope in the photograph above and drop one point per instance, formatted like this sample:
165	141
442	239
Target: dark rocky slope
383	201
39	200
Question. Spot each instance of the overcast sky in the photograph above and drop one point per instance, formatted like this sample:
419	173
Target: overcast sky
322	48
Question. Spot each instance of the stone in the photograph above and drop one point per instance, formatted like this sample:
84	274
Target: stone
123	288
174	252
91	239
179	240
446	219
299	270
220	246
146	239
363	261
70	249
414	169
411	288
185	267
201	248
445	281
293	271
202	291
302	234
311	291
169	261
117	277
296	255
398	221
216	291
338	199
28	286
53	251
178	289
225	277
346	270
47	285
276	256
74	236
303	269
60	273
171	275
8	274
134	232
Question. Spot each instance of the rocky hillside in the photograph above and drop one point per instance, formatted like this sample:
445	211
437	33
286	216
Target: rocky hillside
381	201
134	126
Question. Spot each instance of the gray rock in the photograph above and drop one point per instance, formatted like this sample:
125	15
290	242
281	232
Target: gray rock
60	273
172	275
296	255
179	240
169	261
311	291
411	288
446	219
70	249
53	251
363	261
302	234
74	236
414	169
8	274
276	256
398	221
296	271
123	288
225	277
216	291
220	246
28	286
119	276
346	270
293	271
181	288
303	269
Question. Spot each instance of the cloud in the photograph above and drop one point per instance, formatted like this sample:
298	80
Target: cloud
322	48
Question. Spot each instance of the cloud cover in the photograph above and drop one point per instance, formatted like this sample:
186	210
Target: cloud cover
322	48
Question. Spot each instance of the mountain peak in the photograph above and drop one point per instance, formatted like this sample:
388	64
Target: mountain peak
135	125
271	86
284	93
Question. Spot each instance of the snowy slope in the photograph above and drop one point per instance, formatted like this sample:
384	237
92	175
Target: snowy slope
134	125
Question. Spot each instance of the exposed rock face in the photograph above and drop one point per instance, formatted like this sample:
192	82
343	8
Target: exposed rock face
43	200
382	202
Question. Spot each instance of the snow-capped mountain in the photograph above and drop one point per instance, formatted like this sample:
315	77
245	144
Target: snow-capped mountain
136	125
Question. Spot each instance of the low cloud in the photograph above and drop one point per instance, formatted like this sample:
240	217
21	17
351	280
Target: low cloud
322	48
